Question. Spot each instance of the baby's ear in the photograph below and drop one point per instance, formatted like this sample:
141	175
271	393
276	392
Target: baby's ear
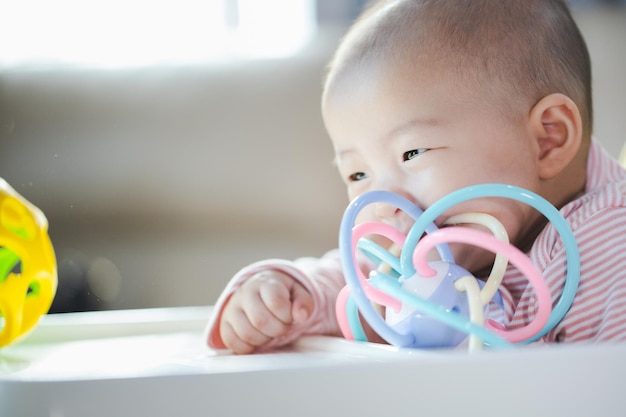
557	126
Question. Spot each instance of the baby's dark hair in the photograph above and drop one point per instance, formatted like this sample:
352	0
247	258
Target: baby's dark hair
510	53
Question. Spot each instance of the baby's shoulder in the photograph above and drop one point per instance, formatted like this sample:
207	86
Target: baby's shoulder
606	204
597	219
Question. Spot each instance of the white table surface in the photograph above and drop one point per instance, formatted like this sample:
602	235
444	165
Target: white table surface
153	362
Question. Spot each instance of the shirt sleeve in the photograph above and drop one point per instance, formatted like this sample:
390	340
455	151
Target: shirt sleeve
322	277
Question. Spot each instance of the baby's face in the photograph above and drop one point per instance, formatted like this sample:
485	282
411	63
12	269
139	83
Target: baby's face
418	137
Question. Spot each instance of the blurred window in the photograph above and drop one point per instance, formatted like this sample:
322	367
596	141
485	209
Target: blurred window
126	33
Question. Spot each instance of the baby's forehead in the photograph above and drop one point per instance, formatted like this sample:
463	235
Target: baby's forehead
372	52
397	74
410	42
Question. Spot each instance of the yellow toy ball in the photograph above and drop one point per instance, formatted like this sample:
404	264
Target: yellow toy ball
28	271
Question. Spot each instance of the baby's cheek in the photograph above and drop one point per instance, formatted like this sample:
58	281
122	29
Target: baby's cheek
366	215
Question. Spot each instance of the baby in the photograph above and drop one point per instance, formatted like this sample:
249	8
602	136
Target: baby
424	97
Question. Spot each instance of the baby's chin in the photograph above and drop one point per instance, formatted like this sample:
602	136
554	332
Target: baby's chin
476	260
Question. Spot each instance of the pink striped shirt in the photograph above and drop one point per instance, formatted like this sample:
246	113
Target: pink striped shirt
598	220
598	313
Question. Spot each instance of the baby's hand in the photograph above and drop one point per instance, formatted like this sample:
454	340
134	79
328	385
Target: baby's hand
263	308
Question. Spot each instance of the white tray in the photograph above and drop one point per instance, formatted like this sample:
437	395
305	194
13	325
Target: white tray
153	363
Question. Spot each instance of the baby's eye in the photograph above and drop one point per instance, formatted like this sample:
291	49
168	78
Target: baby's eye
357	176
408	155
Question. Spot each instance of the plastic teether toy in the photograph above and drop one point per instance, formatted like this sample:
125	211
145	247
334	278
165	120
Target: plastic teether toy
438	304
28	272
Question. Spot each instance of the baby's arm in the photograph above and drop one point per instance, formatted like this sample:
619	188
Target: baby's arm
319	279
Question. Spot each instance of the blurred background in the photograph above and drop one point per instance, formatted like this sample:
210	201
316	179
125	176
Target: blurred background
171	143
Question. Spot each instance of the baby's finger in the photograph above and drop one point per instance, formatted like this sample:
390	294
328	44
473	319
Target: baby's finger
259	314
276	296
232	341
302	304
245	330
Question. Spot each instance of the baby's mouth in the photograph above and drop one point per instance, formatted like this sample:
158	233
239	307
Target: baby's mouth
440	223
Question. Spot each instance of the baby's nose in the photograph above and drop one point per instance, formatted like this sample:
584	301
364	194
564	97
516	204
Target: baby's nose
390	213
385	211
